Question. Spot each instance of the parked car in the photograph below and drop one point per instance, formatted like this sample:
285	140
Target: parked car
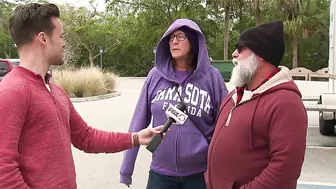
14	62
5	67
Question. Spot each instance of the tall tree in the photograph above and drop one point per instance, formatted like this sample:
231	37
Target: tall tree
7	47
225	8
89	29
297	16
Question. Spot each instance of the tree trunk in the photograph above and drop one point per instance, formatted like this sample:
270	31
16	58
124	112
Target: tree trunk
226	32
240	15
7	52
295	51
91	59
257	12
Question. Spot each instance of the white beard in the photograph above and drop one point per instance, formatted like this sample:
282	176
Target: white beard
243	71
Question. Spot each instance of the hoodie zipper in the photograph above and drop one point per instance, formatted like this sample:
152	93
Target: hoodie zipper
177	151
227	123
229	117
180	88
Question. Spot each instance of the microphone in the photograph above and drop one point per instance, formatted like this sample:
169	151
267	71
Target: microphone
175	114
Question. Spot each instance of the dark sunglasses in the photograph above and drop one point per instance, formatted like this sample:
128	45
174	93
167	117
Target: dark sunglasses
240	47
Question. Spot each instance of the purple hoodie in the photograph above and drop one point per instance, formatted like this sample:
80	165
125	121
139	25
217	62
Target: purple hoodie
184	150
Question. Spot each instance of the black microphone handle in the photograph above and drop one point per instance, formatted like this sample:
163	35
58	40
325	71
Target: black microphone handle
157	139
154	143
166	126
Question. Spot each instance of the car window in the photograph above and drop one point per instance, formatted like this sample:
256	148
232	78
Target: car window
4	68
15	63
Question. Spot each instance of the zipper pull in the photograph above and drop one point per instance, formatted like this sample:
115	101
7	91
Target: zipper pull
179	92
179	89
229	118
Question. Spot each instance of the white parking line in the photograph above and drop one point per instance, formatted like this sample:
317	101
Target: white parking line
321	147
315	185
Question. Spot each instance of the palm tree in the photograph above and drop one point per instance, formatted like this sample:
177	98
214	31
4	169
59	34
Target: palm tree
297	16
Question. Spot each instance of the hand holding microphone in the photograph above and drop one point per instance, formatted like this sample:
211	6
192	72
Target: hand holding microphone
175	114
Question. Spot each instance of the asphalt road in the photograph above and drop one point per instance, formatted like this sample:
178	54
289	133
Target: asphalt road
101	171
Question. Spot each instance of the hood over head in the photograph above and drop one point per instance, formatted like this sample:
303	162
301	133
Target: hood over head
198	44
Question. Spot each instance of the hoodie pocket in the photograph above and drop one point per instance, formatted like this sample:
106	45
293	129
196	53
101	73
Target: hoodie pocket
165	154
192	152
219	182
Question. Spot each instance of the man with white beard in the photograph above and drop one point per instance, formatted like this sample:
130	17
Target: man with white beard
243	70
260	136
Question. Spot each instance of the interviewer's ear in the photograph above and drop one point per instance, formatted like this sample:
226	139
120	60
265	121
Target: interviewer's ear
42	37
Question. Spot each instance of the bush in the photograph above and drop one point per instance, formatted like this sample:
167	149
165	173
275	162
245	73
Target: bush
85	82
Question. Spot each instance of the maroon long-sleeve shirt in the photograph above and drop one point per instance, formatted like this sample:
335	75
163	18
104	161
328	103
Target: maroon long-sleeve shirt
37	128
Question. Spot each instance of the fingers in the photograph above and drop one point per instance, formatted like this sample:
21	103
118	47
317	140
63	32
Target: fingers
156	130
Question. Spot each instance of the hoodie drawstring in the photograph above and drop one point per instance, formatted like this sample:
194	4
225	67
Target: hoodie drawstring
251	124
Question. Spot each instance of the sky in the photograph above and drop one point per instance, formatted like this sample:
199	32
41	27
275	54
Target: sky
78	3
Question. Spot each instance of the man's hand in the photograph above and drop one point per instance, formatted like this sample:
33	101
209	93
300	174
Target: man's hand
145	135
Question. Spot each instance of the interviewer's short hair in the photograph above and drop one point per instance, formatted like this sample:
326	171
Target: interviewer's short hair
30	19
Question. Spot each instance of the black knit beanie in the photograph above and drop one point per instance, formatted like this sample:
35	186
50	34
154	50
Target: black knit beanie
265	40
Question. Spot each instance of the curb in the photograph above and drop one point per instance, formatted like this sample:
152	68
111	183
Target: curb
136	77
95	98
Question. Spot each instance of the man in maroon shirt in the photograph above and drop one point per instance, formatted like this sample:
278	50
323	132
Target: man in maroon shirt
38	122
260	136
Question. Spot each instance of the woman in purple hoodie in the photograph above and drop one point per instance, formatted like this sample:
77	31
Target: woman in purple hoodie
182	72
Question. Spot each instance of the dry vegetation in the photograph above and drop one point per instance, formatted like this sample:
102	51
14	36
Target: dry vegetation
85	82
